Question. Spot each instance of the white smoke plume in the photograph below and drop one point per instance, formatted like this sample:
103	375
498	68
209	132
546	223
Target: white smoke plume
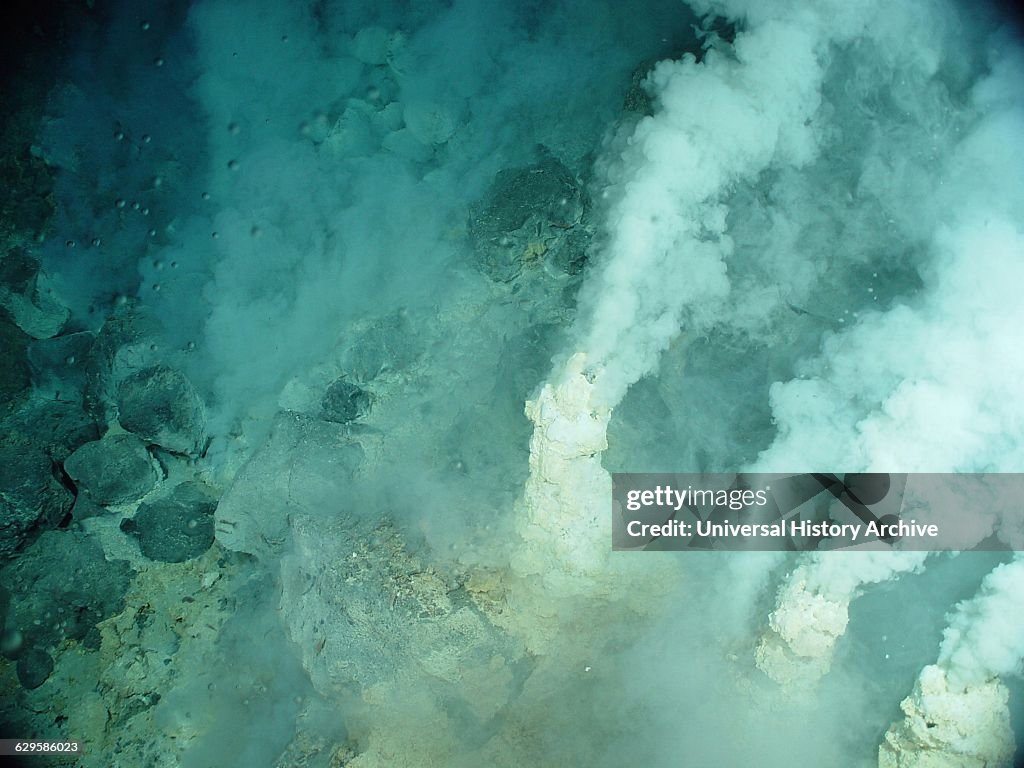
985	637
720	121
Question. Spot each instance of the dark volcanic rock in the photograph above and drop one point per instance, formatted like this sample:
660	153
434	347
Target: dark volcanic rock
123	346
31	497
15	375
57	427
59	364
176	528
34	440
26	293
160	405
525	218
34	667
114	470
61	588
345	402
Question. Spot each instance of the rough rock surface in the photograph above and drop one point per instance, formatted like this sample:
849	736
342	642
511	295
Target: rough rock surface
527	217
566	477
369	616
54	426
59	364
803	629
300	471
34	667
15	376
176	528
34	440
947	725
123	346
61	588
160	405
345	402
25	292
380	345
116	469
31	496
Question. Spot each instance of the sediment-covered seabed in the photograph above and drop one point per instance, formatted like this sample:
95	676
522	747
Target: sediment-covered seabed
325	324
